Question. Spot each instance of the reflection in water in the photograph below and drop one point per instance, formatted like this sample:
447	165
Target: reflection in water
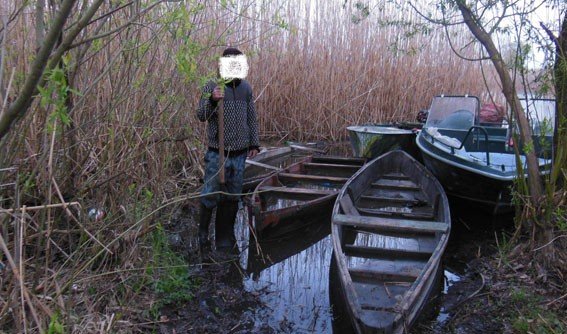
276	203
449	279
397	209
294	289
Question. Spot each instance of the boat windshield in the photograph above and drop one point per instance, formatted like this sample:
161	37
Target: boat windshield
541	114
453	112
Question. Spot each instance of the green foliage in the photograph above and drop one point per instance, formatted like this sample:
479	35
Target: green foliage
55	327
528	147
504	246
179	22
91	290
55	94
560	218
186	59
171	275
228	3
530	316
27	182
280	22
520	296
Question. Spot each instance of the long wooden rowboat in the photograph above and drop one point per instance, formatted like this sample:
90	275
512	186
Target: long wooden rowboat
295	193
390	226
274	159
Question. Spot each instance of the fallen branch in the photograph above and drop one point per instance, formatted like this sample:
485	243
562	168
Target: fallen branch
40	207
549	243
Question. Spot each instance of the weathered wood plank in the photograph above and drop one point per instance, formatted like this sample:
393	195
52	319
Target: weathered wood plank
395	184
338	160
317	165
299	191
395	176
394	200
389	224
423	215
380	252
263	165
381	275
348	206
300	177
307	148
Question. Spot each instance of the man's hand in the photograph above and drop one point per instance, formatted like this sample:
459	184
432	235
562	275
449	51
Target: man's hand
218	94
252	153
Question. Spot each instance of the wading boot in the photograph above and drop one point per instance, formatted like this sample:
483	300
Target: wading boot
224	226
204	221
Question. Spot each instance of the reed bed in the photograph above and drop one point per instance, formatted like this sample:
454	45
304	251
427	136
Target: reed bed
133	147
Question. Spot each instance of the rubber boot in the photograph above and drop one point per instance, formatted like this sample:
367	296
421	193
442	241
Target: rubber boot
204	221
224	226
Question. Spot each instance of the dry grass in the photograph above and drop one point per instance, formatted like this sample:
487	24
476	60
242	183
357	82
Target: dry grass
134	136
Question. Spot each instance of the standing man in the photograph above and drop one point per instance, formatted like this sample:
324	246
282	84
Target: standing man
240	140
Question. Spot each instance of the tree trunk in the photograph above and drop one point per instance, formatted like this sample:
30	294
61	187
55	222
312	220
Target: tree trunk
559	138
534	181
543	230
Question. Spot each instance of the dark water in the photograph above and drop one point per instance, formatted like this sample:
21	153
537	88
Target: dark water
291	275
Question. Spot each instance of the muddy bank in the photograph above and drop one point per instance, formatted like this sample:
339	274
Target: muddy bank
219	303
491	292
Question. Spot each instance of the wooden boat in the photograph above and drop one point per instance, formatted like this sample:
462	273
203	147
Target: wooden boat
472	159
274	159
390	227
295	193
372	140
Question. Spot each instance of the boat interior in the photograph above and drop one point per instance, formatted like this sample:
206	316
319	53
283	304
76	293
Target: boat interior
391	227
455	124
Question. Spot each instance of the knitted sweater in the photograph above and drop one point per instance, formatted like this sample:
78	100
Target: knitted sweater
240	123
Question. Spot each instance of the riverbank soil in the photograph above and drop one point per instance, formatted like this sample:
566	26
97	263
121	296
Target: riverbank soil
219	303
505	298
495	292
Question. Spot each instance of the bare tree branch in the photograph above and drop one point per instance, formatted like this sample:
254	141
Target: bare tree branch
113	31
19	107
534	181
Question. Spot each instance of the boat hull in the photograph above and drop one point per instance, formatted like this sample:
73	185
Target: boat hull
270	160
288	199
467	181
390	226
471	157
371	141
